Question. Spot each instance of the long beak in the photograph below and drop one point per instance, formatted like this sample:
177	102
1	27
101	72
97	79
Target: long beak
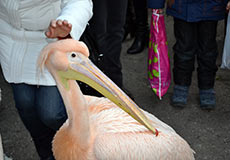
84	70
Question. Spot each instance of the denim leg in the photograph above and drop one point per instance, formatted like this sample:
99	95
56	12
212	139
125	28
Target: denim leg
207	54
50	107
24	96
184	51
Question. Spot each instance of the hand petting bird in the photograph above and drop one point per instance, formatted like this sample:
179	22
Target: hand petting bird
58	29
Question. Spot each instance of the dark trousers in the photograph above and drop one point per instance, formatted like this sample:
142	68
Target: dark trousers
137	17
141	13
107	24
42	111
195	40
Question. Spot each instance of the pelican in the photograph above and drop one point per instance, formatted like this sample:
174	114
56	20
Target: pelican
112	128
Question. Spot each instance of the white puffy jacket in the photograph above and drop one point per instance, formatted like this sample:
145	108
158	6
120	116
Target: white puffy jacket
22	27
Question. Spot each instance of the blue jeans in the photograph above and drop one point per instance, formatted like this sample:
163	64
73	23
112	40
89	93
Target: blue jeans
42	111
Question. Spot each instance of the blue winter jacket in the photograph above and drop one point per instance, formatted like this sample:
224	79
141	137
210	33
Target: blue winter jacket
193	10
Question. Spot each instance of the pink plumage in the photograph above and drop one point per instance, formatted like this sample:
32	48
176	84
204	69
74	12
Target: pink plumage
97	129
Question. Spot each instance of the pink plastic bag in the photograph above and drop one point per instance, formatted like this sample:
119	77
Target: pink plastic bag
159	74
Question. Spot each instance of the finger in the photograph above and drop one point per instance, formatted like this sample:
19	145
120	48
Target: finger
53	23
66	26
70	25
65	22
47	33
50	32
59	22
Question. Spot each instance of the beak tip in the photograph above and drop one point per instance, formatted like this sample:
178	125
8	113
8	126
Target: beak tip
156	132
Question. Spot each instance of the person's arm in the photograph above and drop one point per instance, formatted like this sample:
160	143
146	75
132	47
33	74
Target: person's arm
72	20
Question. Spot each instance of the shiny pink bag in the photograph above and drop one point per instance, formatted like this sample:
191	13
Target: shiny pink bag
159	74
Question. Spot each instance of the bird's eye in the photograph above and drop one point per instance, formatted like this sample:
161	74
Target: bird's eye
73	55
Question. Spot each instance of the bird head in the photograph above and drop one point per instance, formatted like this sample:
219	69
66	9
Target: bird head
68	60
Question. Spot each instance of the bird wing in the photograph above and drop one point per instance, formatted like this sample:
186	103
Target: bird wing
117	132
142	145
108	117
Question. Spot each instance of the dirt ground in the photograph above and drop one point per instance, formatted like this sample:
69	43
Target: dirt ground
208	133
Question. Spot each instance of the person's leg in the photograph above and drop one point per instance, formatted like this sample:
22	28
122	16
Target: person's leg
51	112
207	68
184	57
130	25
108	26
184	51
142	30
50	107
94	35
98	24
115	33
24	96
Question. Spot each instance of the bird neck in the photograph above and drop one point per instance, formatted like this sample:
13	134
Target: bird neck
77	111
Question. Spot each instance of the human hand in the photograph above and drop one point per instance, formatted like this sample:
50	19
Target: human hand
58	29
228	6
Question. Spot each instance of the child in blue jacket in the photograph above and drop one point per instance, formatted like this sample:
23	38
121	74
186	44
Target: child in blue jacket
195	27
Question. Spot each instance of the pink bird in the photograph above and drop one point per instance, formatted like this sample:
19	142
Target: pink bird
112	128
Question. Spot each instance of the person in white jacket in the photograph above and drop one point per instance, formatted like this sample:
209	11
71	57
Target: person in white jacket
25	28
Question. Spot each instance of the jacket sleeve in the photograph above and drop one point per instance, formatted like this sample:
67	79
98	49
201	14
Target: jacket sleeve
78	13
156	4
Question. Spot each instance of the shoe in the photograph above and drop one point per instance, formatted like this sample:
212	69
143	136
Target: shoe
139	44
180	95
207	99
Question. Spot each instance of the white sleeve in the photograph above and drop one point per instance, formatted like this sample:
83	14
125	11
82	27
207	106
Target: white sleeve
78	13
